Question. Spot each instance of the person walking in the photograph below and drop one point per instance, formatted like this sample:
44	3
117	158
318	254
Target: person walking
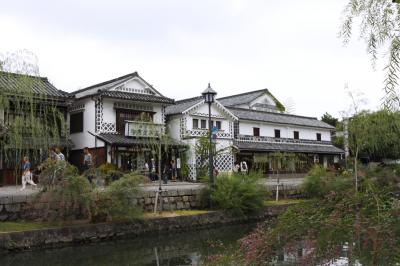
59	155
167	172
26	174
87	163
174	171
153	170
243	168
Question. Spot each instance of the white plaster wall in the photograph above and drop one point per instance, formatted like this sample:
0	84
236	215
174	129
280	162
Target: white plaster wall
264	99
202	113
84	139
268	130
109	114
173	126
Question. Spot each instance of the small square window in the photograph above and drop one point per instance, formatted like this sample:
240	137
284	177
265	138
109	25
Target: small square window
296	134
277	133
256	131
195	123
203	123
318	136
219	125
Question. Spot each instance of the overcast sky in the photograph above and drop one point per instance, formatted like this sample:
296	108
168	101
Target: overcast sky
290	47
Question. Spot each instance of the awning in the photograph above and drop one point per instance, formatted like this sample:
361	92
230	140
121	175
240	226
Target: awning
120	140
287	147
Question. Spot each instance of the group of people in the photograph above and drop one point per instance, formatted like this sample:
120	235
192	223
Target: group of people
241	167
27	169
169	172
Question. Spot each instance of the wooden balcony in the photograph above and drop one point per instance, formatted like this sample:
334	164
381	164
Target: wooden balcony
250	138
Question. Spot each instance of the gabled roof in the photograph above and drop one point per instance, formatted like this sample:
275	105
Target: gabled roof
38	85
278	118
183	105
246	98
106	85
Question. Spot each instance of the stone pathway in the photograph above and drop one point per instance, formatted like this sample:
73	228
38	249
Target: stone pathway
10	191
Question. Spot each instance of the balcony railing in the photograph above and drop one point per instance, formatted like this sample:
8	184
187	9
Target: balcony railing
199	132
143	129
250	138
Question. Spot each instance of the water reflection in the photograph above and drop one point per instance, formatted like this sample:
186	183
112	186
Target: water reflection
178	249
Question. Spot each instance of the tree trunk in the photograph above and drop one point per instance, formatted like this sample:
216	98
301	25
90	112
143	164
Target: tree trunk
356	169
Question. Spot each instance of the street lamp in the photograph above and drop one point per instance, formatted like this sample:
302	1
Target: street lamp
209	97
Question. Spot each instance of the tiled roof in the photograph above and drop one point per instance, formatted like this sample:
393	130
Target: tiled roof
279	118
243	98
38	85
182	105
114	82
109	83
117	139
287	147
136	97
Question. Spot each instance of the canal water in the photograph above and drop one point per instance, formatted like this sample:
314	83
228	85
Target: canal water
186	248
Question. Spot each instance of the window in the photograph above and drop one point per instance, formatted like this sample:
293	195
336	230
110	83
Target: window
277	133
195	123
318	136
236	129
296	134
218	125
256	131
76	123
203	123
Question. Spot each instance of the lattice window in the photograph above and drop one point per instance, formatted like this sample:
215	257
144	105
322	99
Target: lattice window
99	113
182	127
108	128
236	129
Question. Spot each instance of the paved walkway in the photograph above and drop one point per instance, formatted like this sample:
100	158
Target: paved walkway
15	191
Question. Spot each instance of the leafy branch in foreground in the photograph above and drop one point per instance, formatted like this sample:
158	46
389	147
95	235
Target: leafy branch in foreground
379	27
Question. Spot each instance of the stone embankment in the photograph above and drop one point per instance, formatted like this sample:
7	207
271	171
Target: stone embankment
87	233
25	207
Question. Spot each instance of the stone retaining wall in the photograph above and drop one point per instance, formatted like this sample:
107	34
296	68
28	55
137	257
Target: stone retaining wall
21	207
80	234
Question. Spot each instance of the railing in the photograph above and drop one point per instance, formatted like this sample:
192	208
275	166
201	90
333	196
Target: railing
250	138
199	132
143	129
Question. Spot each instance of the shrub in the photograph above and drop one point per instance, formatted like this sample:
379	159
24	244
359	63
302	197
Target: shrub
320	182
69	198
238	194
117	200
53	172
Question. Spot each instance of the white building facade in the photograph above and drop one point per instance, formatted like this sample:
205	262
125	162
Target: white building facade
117	120
251	127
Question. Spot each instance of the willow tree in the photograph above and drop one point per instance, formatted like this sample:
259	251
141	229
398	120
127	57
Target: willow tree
379	27
376	134
30	120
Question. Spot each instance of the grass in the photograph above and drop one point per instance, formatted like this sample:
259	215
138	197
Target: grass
166	214
283	202
29	225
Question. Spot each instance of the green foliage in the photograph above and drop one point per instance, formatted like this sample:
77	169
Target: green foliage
379	26
375	133
329	119
33	122
117	200
71	196
319	183
366	223
238	194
